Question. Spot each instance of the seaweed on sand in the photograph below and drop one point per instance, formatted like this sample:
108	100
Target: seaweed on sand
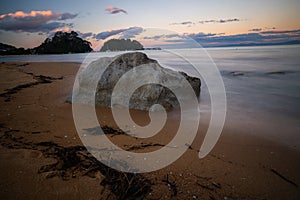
76	161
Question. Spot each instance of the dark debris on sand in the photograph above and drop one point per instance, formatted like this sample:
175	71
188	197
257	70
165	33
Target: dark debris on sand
104	130
40	79
76	161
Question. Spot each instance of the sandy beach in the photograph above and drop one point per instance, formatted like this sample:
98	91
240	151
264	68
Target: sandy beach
42	157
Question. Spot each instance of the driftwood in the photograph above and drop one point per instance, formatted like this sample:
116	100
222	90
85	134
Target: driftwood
283	177
143	146
172	185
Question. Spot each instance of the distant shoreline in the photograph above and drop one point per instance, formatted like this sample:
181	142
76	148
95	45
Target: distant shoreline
161	48
253	45
81	57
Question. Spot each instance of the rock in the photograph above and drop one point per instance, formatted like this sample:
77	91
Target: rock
121	45
143	97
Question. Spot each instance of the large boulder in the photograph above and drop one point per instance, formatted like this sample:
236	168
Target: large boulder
112	69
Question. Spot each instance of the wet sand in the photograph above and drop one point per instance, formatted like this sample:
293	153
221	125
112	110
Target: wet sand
42	156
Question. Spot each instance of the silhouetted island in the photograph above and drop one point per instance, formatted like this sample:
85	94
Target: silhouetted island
63	42
121	45
6	49
60	43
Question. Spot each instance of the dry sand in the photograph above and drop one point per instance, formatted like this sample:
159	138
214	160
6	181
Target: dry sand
43	158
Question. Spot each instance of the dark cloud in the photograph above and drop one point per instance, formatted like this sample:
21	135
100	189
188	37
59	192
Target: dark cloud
228	20
262	30
220	39
106	34
66	16
183	23
220	21
131	32
201	35
259	38
115	10
268	28
281	32
255	30
35	21
126	33
164	36
47	27
85	35
155	37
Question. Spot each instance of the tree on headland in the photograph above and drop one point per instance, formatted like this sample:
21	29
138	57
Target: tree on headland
121	45
60	43
63	42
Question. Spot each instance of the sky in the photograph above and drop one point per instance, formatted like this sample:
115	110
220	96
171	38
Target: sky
211	23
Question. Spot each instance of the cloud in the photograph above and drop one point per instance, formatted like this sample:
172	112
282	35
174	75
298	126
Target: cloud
155	37
131	32
264	30
255	30
257	38
20	14
201	35
220	21
85	35
164	36
34	21
183	23
281	32
115	10
106	34
268	28
125	33
66	16
275	37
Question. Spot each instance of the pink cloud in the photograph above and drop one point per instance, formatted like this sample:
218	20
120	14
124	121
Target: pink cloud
21	14
34	21
115	10
65	29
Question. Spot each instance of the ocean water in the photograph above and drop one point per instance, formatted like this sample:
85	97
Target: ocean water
263	90
262	84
